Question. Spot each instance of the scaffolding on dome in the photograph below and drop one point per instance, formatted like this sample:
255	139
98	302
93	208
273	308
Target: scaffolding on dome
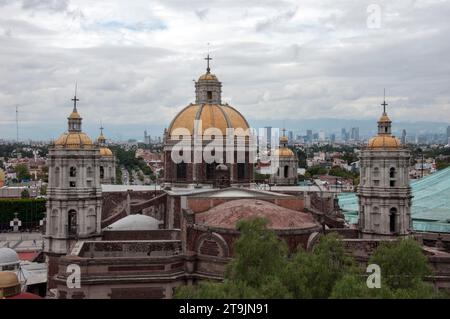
430	204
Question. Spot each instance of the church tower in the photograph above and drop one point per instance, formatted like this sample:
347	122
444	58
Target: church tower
74	192
107	161
287	163
384	192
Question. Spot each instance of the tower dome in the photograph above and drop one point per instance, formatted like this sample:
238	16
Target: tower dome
384	139
74	138
208	109
104	150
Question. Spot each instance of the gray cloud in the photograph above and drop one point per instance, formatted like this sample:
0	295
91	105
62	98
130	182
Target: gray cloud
277	61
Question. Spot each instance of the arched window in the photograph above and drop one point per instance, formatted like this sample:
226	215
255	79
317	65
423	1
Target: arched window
392	220
72	222
181	171
102	172
73	172
392	172
286	171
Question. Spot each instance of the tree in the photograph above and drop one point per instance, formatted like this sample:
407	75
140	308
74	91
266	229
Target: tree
316	170
22	172
25	194
314	274
403	269
403	264
254	271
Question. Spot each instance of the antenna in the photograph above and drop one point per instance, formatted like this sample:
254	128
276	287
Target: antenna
17	123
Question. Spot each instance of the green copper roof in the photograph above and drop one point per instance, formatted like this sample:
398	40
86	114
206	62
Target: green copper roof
430	204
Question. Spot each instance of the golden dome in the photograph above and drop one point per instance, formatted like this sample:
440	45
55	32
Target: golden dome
208	77
106	152
74	115
9	284
74	140
384	141
284	152
212	116
284	139
384	118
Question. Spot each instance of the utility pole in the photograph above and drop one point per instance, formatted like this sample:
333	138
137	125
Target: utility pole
17	123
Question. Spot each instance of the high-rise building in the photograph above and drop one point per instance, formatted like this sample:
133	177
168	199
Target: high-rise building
321	136
290	136
344	135
404	137
309	136
355	133
384	191
268	136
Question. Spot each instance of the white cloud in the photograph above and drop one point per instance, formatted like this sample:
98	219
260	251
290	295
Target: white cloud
135	60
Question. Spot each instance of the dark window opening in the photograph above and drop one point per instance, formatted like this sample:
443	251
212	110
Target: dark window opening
286	171
102	172
210	170
392	172
181	171
73	172
72	224
392	220
72	184
241	171
392	183
209	95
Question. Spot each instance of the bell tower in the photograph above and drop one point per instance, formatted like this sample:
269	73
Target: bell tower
208	89
384	192
74	192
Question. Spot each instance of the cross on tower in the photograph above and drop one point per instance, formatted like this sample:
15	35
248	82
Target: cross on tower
208	70
75	100
384	104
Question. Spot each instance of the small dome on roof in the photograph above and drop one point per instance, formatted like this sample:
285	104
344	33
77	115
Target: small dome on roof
135	222
8	257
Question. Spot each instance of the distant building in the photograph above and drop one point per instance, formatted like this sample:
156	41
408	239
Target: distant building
309	136
404	137
355	133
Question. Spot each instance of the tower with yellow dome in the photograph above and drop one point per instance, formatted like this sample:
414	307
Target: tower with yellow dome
107	161
384	192
74	191
287	162
196	139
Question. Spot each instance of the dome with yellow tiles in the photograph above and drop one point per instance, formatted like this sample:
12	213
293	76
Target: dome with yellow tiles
74	140
106	152
384	141
212	116
284	152
208	77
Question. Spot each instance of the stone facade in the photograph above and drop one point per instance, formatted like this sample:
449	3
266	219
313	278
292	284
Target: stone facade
384	192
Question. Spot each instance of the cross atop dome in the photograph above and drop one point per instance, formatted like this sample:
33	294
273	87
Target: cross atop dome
208	69
384	104
75	100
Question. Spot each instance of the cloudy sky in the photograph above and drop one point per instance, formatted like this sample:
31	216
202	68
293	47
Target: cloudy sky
135	60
